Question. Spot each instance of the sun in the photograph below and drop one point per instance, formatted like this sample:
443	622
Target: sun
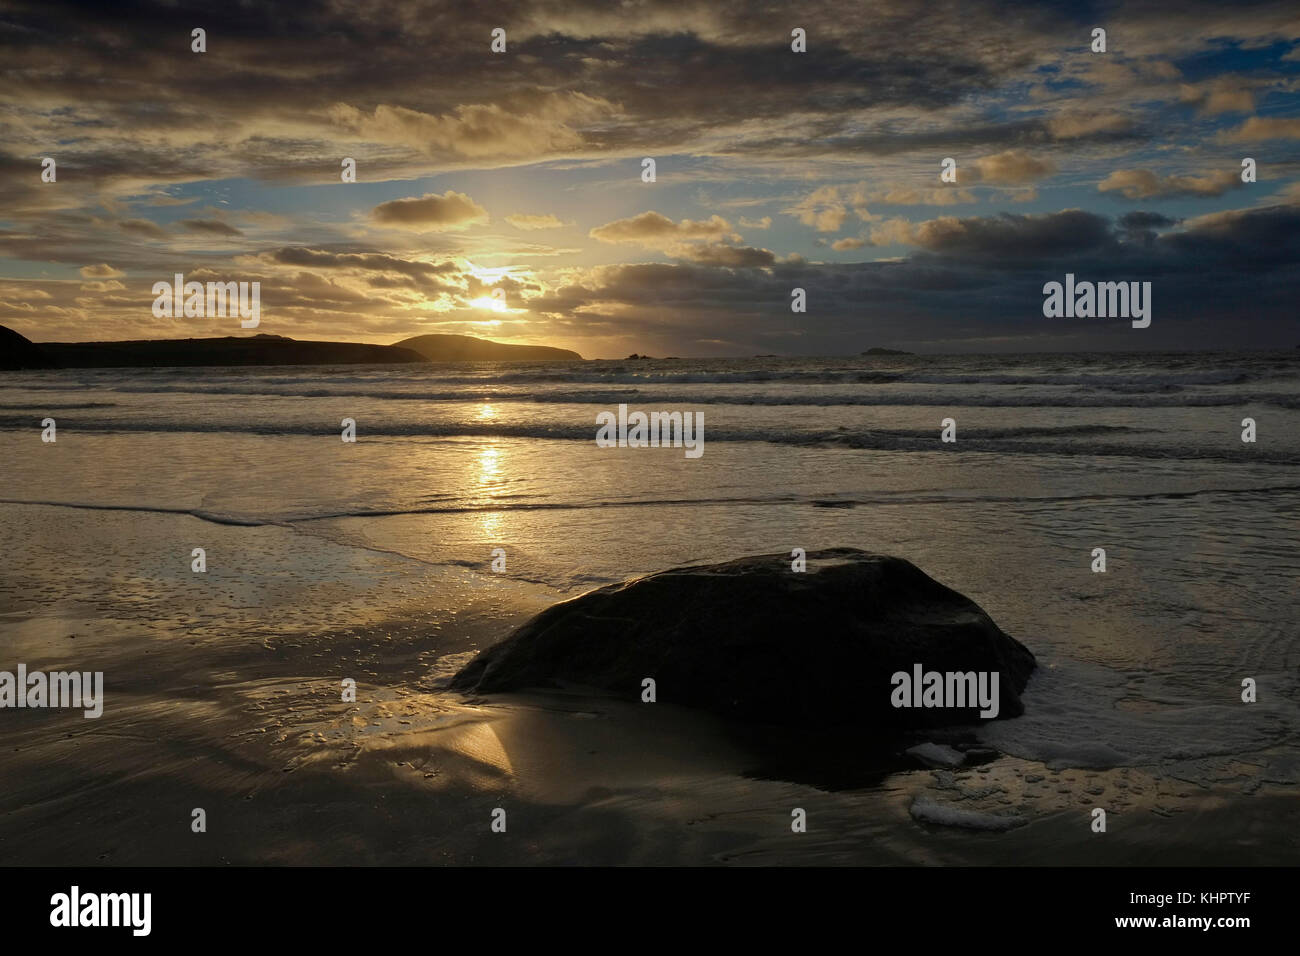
487	302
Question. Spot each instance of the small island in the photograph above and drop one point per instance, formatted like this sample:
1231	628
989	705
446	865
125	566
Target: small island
880	351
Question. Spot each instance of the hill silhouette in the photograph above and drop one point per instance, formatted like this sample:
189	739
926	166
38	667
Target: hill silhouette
465	348
18	352
228	350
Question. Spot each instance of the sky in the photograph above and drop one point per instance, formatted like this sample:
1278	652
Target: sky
503	194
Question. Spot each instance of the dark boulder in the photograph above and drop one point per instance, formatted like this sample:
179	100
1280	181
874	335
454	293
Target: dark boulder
753	640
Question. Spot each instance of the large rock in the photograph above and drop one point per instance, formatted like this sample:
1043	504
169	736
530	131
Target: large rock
753	640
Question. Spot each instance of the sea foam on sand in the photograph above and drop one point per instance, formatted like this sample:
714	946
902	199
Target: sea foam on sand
926	810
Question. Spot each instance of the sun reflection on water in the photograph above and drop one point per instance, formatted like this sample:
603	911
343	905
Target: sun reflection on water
489	463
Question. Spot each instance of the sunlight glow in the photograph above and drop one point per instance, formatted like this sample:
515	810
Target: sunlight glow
496	305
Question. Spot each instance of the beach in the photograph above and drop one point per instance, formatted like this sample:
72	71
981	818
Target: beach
373	561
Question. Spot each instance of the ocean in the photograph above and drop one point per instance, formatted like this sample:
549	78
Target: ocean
374	560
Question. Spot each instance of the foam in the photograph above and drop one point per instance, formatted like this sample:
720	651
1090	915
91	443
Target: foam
925	810
1073	719
936	755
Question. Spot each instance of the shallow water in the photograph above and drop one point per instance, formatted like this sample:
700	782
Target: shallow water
373	561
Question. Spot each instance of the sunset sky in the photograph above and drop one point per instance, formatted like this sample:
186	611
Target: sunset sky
775	170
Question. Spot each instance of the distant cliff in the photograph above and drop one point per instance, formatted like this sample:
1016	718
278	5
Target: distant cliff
18	352
464	348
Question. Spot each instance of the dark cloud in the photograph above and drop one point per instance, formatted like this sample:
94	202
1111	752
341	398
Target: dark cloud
376	261
1146	220
958	295
416	273
730	257
1015	238
214	227
142	227
1142	226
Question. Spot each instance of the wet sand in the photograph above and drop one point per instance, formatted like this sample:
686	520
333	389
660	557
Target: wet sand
288	777
206	709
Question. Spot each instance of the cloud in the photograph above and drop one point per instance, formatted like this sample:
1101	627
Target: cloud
936	196
1218	96
892	232
826	208
971	283
530	222
541	125
1259	245
1073	125
1012	167
418	273
213	227
1290	193
1142	226
101	271
655	230
1261	128
583	94
974	281
1146	220
1004	236
731	257
1145	184
142	227
842	245
451	210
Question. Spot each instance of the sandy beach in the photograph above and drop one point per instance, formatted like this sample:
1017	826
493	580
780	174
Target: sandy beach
223	689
